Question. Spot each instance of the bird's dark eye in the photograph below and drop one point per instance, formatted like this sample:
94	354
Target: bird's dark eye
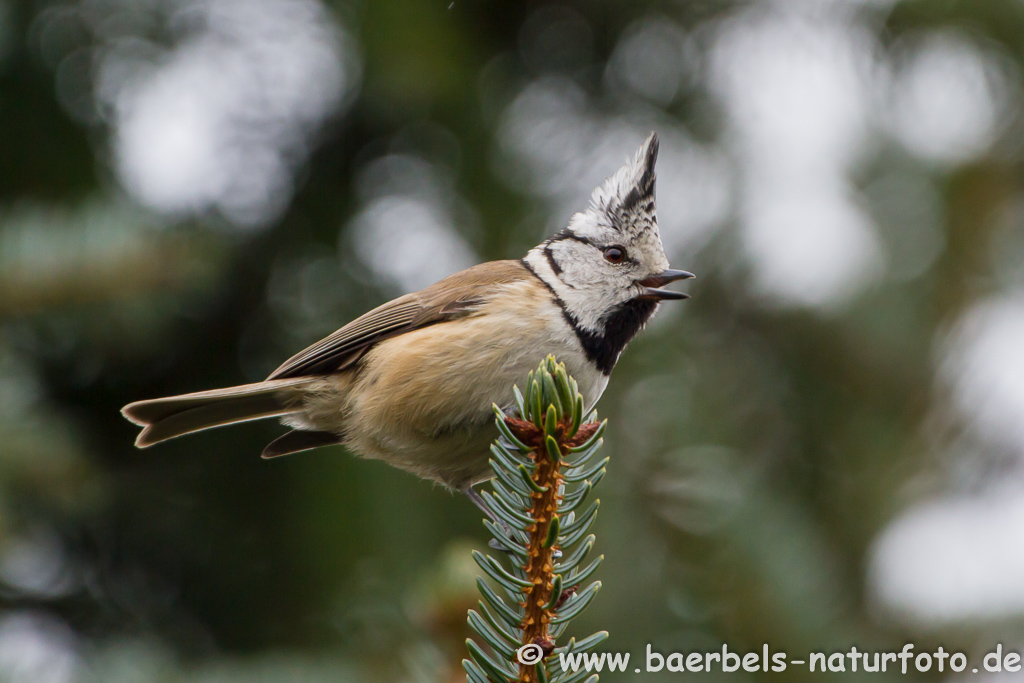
615	254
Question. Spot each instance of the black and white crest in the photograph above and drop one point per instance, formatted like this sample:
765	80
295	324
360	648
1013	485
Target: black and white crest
626	199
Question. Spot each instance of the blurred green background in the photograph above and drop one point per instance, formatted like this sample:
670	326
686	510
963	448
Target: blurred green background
823	448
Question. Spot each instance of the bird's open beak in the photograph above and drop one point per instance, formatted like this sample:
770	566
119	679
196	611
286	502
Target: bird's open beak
652	284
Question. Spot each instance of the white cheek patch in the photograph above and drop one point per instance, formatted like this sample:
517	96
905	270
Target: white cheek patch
582	284
581	264
590	307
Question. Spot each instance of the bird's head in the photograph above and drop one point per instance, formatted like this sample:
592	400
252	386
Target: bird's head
610	256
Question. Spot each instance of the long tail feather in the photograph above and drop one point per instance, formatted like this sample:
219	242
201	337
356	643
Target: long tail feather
297	440
166	418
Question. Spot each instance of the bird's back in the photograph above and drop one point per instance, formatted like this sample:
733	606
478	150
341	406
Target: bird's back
422	400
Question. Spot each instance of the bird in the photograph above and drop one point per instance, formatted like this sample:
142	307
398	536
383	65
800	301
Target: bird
413	382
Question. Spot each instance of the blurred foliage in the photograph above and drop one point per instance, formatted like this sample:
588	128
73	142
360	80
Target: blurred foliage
768	444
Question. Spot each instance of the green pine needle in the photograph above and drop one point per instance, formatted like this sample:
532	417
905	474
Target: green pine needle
533	483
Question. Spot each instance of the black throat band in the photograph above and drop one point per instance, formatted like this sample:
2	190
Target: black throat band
618	328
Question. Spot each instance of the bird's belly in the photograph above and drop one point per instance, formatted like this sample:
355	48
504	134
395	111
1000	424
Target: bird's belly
422	401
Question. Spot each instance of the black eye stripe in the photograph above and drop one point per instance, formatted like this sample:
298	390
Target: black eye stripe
567	234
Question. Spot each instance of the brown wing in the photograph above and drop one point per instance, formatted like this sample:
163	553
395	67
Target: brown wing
453	297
